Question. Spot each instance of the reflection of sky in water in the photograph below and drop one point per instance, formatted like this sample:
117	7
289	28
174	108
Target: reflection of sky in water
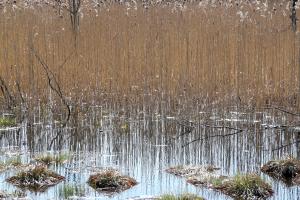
150	148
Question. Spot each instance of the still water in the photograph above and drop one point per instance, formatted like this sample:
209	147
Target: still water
143	147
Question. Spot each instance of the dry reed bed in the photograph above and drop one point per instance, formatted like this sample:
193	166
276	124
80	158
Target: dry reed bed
157	56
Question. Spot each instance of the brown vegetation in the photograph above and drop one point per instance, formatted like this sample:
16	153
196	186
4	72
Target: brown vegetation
163	57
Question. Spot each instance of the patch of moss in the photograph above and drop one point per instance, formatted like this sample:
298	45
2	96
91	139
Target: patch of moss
287	170
7	121
36	179
180	197
110	181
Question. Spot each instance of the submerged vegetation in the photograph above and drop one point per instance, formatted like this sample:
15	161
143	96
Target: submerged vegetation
7	122
188	171
12	162
14	195
37	179
53	159
287	170
110	181
71	191
180	197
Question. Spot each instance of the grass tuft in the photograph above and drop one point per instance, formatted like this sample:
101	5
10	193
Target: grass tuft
110	181
36	179
247	186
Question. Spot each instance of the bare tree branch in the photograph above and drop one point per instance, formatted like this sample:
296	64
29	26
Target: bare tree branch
54	85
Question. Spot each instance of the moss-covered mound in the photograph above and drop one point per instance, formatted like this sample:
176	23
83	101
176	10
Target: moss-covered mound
287	170
36	179
110	181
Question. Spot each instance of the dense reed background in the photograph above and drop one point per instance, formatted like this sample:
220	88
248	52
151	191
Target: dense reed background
170	56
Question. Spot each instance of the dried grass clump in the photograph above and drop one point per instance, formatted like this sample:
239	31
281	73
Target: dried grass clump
110	181
36	179
287	170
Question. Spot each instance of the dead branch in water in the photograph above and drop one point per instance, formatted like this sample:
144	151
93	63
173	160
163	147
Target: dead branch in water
54	85
193	125
285	146
213	136
283	110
